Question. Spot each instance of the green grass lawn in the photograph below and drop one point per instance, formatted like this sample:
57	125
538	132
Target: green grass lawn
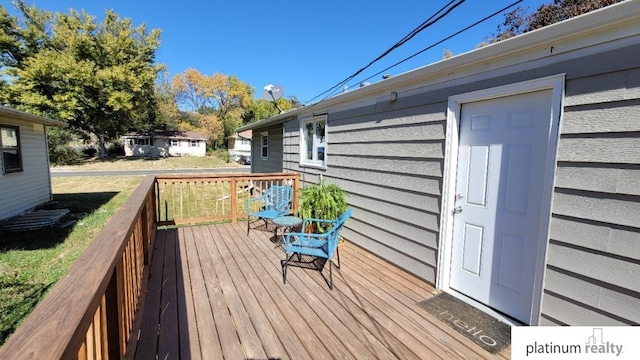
32	261
134	163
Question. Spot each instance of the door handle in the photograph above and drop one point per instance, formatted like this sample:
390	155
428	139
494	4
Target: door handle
457	210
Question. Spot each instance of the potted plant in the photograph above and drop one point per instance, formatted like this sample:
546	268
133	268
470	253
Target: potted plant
322	201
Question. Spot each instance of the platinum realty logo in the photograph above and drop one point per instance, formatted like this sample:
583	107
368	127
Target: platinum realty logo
575	342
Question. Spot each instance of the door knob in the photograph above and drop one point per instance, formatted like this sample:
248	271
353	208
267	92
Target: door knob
457	210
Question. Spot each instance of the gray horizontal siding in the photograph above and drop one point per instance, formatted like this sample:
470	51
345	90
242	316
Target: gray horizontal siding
591	235
574	313
608	208
604	149
598	178
617	271
378	246
404	133
275	153
595	294
24	190
593	274
622	116
420	167
390	164
434	150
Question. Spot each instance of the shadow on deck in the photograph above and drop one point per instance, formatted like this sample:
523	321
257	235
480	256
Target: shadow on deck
216	293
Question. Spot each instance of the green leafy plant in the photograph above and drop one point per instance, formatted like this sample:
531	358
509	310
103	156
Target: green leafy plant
322	201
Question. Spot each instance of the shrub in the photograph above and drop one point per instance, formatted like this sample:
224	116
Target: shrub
116	149
221	154
89	152
64	155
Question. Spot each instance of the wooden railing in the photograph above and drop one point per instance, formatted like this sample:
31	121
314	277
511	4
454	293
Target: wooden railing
184	199
95	310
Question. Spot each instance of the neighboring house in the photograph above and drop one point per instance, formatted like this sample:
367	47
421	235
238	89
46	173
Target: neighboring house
165	143
25	181
239	144
509	175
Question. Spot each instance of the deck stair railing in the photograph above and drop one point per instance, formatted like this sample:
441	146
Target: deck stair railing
94	311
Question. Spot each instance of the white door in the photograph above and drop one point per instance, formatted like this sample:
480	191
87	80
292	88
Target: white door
498	206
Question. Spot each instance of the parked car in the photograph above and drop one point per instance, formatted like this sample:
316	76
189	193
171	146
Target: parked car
245	160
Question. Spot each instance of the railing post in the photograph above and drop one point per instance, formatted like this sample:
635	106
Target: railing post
233	196
146	243
113	332
296	190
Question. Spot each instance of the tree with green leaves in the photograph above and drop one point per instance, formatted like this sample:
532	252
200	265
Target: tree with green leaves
218	102
262	109
517	22
97	76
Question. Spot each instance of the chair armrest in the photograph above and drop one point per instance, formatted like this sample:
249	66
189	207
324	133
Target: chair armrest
306	221
261	198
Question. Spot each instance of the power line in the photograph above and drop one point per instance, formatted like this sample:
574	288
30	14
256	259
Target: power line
427	23
431	46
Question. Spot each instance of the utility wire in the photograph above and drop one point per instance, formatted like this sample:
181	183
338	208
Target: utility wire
427	23
432	45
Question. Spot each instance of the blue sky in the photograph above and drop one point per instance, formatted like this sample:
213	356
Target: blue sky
305	46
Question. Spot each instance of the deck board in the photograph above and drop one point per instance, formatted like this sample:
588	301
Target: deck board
217	293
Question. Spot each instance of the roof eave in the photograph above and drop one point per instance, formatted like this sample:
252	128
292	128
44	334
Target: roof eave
21	115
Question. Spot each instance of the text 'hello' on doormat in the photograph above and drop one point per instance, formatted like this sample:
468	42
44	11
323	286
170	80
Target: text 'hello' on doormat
487	332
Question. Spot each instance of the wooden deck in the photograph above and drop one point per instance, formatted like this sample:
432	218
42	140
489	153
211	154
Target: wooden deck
216	293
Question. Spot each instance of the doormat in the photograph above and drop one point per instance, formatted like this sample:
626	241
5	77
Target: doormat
488	333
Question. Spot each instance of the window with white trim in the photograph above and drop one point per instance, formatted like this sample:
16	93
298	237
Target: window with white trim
313	141
194	143
174	142
264	145
10	148
141	141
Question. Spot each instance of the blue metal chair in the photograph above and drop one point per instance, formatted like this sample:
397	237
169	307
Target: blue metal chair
275	202
316	245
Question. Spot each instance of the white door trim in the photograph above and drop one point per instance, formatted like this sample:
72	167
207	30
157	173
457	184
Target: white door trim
556	84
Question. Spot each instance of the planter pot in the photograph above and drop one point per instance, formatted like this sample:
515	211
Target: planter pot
311	228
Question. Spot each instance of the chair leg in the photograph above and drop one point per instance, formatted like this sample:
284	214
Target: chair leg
248	222
330	275
338	255
284	268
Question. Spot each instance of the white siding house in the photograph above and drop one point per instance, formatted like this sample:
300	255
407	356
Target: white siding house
508	175
165	143
239	144
25	181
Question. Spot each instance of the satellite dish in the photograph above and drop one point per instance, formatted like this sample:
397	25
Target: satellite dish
272	93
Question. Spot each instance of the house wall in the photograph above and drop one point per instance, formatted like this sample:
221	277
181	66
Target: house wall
24	190
593	269
275	151
184	148
239	145
389	156
142	150
162	147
